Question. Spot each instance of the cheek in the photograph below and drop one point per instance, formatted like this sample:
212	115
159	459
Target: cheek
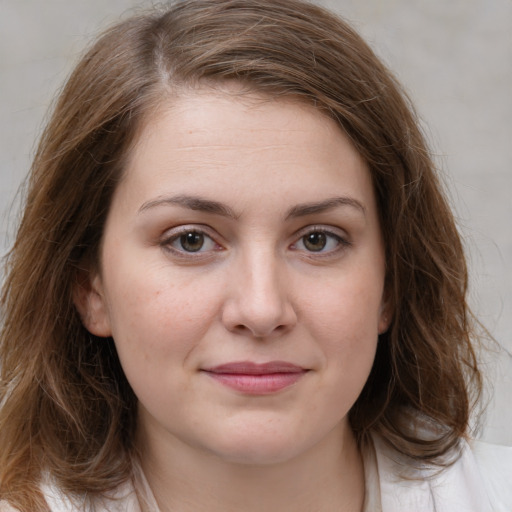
347	306
344	319
349	338
157	325
157	318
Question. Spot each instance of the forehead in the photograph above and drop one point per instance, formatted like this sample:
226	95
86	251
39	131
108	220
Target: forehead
228	107
195	108
223	139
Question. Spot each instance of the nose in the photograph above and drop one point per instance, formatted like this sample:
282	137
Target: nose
259	303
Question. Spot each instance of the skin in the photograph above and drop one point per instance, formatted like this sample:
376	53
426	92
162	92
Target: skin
254	291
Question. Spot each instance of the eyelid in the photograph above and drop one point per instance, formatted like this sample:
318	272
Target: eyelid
322	228
173	234
339	234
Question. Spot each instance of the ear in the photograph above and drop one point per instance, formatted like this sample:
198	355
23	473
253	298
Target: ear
385	314
89	300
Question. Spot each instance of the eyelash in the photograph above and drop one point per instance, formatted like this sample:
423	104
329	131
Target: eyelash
176	234
342	242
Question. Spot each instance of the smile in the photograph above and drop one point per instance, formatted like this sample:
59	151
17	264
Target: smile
257	379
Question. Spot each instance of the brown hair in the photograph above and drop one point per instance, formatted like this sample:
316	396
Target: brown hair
66	406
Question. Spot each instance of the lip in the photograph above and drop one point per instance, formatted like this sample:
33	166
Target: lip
252	378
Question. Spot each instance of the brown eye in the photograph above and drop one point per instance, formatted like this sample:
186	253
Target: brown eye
320	242
315	241
191	241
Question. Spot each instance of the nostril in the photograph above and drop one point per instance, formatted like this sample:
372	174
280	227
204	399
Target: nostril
246	330
258	317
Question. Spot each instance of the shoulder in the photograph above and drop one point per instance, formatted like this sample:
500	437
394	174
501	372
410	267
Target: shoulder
479	481
5	507
121	500
484	473
494	463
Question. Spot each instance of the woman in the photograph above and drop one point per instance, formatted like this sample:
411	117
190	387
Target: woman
237	283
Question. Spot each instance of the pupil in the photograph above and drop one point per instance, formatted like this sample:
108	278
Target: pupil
192	241
315	241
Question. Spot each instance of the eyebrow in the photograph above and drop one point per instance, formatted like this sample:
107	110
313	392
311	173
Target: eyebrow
192	203
209	206
302	210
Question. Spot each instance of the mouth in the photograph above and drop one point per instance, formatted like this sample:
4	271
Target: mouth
256	379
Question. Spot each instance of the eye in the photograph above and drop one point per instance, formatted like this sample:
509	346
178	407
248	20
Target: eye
189	241
316	241
192	241
320	241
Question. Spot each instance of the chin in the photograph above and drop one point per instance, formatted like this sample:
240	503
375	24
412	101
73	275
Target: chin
259	446
257	454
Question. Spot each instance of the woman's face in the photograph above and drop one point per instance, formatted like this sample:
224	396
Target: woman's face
242	277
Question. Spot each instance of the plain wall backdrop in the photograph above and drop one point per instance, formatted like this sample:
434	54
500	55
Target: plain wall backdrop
455	60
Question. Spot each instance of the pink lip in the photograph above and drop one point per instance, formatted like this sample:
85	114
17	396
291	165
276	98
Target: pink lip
257	379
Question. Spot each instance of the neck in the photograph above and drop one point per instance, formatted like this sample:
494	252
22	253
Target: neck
328	477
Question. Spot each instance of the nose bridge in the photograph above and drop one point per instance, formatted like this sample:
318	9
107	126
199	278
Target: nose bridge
263	292
259	301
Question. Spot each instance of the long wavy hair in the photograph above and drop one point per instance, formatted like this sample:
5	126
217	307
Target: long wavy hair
66	408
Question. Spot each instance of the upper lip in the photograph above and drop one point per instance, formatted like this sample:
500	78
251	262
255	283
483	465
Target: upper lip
250	368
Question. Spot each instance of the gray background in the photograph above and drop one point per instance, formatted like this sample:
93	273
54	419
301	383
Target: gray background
454	58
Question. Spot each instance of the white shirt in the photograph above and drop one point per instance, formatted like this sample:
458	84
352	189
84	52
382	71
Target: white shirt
479	481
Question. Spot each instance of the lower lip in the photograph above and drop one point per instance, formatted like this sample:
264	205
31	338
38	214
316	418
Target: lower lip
264	384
